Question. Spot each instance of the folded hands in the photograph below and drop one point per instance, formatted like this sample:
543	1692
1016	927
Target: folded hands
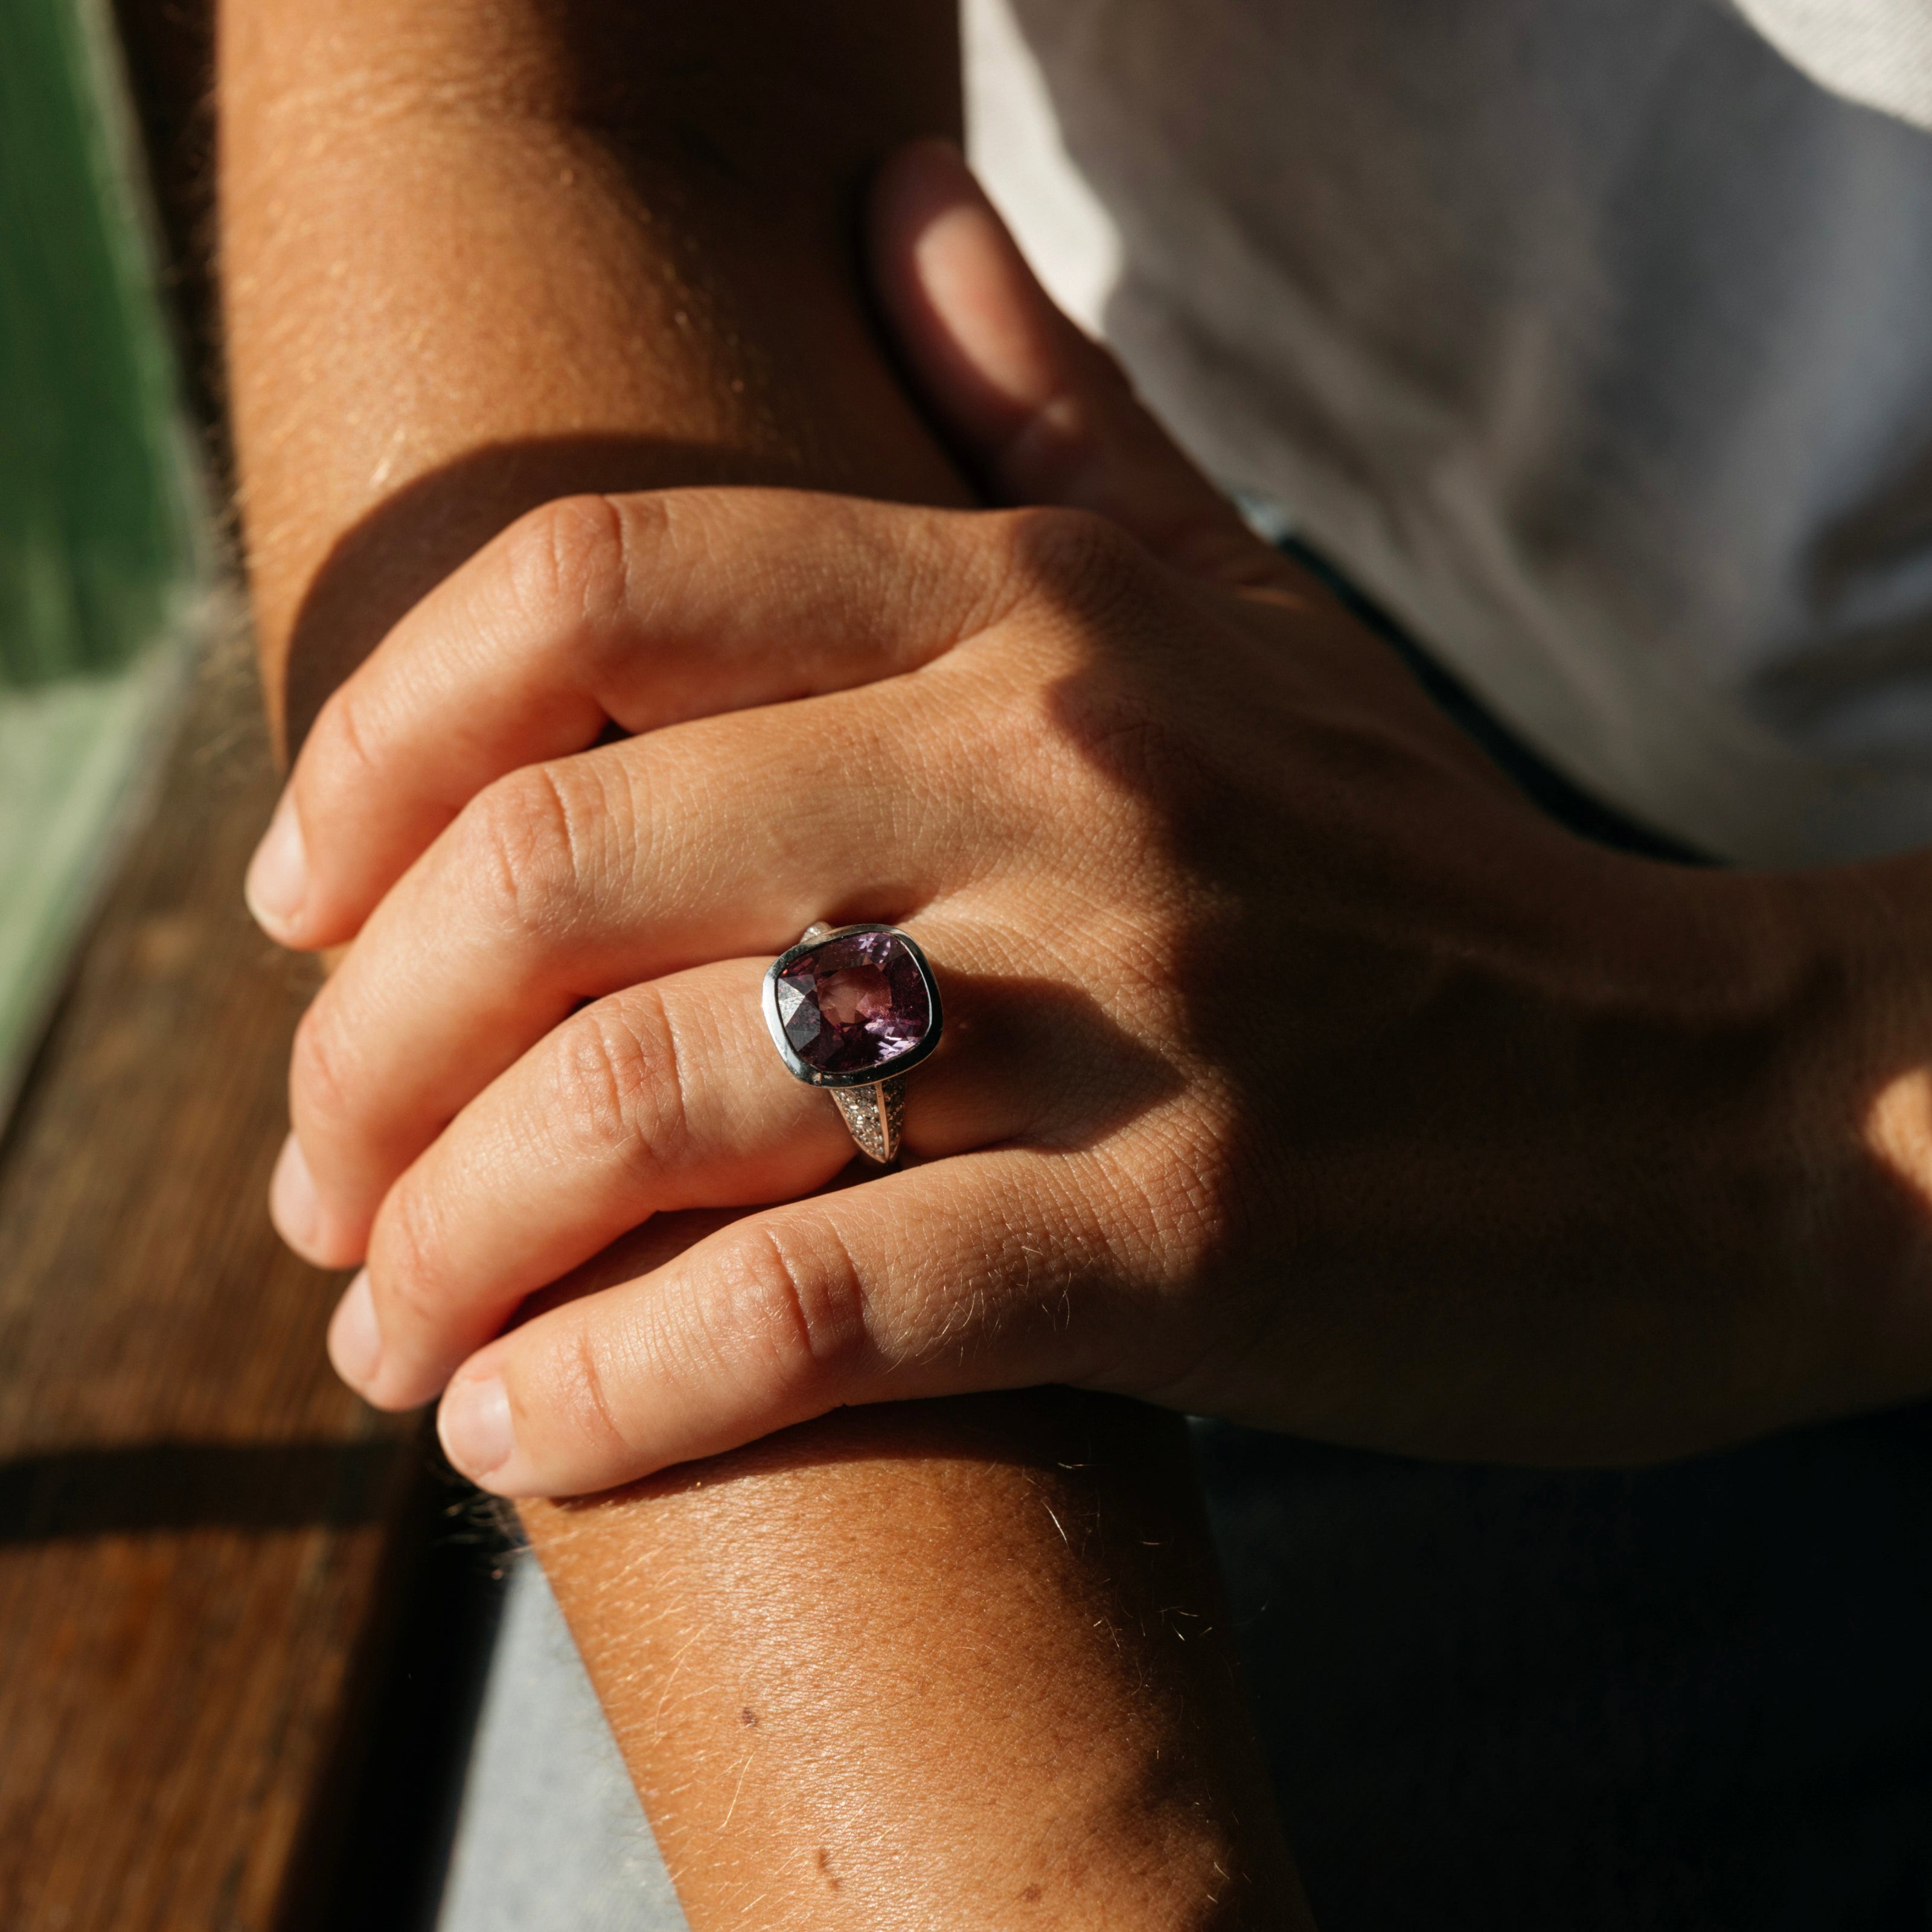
1293	1065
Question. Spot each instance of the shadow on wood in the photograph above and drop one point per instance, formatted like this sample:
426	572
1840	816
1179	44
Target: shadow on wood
215	1562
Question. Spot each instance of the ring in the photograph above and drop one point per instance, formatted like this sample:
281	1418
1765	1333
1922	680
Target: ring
853	1009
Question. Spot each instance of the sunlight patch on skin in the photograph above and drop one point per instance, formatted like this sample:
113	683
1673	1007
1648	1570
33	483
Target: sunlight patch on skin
1898	1128
1895	1348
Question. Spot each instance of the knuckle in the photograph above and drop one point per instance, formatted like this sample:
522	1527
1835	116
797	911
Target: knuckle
324	1084
1102	757
343	754
1124	731
522	847
407	1253
616	1079
798	1298
568	562
1073	557
592	1365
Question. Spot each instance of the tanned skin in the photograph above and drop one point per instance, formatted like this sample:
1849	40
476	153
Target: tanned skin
956	1663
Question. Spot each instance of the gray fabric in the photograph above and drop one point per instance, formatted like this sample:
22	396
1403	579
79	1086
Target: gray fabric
550	1837
1695	1698
1589	336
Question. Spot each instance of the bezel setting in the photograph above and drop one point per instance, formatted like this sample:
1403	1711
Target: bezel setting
869	1076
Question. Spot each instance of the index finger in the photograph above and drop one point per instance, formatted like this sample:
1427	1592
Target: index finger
636	611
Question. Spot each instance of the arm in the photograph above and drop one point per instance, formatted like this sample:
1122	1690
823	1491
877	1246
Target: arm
477	257
951	1664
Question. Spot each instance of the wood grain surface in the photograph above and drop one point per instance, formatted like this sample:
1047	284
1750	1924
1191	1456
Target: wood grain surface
204	1538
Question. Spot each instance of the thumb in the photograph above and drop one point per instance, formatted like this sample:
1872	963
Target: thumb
1039	412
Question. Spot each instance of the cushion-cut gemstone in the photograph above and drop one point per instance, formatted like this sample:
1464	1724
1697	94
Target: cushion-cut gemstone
853	1004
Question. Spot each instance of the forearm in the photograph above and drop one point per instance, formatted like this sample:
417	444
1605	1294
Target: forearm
957	1663
459	281
474	260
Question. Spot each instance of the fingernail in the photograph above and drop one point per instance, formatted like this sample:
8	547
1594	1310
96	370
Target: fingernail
354	1341
292	1205
474	1422
278	881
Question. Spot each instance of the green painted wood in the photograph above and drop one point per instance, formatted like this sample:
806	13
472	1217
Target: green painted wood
75	756
104	553
98	535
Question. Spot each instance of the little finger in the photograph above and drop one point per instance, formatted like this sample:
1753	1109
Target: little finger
995	1270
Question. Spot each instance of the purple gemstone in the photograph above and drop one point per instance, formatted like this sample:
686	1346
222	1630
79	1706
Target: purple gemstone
853	1004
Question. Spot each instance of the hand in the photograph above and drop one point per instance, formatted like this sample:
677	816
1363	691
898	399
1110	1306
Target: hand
1296	1070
